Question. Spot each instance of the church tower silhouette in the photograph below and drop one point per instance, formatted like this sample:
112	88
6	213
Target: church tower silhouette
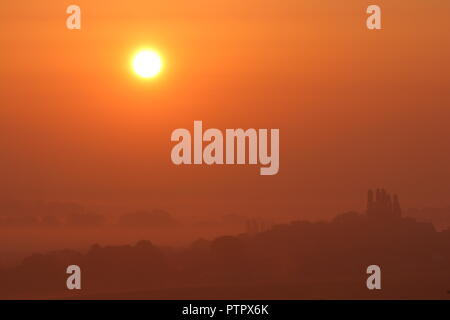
382	205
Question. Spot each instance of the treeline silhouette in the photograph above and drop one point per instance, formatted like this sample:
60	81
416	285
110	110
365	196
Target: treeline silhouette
16	214
440	217
39	214
297	260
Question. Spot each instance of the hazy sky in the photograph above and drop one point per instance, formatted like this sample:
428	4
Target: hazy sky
355	108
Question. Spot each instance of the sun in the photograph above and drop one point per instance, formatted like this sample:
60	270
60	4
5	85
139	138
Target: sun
147	63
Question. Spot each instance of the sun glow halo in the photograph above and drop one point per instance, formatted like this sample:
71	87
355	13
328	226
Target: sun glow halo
147	63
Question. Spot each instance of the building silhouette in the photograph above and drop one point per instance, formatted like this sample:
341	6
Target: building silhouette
254	226
381	205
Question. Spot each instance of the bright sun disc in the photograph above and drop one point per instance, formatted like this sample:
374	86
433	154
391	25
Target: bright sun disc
147	64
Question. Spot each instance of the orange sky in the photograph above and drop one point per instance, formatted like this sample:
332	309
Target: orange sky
355	108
